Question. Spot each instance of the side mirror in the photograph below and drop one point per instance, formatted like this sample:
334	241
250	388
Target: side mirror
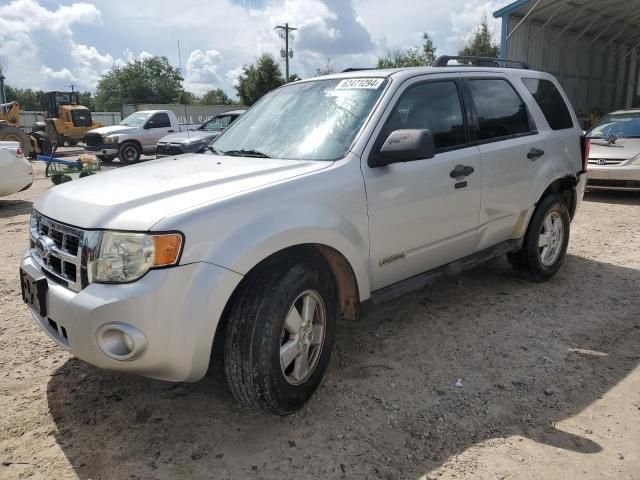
404	146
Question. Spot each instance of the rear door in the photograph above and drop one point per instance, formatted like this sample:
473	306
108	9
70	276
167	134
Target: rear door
420	217
510	145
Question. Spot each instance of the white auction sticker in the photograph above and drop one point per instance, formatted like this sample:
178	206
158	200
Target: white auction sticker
367	83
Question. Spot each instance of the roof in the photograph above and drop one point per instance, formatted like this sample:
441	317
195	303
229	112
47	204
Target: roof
602	18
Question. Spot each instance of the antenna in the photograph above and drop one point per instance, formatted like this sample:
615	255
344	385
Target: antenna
185	103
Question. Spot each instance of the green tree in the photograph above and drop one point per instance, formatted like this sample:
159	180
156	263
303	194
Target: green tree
481	43
27	98
186	98
216	97
87	100
424	55
294	77
152	80
258	79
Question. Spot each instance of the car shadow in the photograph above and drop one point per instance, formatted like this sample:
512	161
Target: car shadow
612	196
13	208
389	407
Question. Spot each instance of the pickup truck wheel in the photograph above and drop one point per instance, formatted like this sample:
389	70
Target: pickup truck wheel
129	152
546	241
279	336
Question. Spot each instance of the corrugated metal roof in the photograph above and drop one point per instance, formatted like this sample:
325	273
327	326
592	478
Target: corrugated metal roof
602	18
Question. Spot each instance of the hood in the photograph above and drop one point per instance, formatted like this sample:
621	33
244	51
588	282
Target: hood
622	149
189	137
111	129
138	196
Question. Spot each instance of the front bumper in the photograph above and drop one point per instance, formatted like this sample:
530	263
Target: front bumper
176	309
111	150
616	177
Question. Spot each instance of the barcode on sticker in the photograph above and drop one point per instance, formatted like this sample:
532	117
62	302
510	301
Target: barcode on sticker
368	83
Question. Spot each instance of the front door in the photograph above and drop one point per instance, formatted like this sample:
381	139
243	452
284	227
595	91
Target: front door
422	216
157	126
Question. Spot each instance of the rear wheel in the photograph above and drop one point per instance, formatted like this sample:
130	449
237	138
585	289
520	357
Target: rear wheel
280	335
72	142
9	133
546	241
129	152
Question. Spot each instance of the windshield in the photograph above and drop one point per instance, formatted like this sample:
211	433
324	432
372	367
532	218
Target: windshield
315	120
136	119
617	125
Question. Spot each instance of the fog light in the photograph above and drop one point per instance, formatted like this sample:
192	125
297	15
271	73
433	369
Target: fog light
121	341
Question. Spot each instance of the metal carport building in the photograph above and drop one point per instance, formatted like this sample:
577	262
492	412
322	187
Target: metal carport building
591	46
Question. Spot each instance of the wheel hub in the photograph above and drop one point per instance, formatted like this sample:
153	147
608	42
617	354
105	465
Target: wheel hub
302	337
551	239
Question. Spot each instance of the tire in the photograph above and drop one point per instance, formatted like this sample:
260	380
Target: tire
72	142
129	152
105	158
546	241
9	133
260	323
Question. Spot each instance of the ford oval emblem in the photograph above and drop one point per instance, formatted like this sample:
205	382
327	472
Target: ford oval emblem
43	247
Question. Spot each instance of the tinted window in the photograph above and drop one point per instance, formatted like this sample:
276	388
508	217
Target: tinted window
161	120
500	110
550	102
434	106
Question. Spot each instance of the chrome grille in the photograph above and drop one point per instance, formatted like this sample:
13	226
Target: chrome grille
606	161
62	262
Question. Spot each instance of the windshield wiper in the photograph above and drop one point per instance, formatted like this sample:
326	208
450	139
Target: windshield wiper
245	153
213	149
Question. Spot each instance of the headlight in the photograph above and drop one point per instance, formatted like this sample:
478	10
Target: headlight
125	257
112	139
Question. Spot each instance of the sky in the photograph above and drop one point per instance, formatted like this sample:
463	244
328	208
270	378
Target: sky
50	44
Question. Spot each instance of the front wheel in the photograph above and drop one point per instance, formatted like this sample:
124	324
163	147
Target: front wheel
546	241
129	152
280	335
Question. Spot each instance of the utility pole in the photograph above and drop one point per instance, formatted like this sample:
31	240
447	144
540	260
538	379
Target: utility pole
286	53
3	97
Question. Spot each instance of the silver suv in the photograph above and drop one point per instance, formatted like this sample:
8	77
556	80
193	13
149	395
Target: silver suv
327	193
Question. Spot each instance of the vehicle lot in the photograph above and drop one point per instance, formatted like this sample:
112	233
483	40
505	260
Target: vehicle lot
549	376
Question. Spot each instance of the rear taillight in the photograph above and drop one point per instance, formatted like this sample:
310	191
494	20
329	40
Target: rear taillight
19	152
584	148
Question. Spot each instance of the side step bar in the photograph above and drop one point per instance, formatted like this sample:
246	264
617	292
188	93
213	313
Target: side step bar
425	279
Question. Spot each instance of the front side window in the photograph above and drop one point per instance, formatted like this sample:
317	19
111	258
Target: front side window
550	102
160	120
500	111
314	120
136	119
433	106
617	125
217	123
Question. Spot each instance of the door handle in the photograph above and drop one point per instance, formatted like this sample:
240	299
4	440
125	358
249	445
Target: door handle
534	154
461	171
170	131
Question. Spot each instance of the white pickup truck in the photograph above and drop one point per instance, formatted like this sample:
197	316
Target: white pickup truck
327	193
137	134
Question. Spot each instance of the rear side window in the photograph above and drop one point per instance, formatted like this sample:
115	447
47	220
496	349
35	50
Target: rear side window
500	111
550	102
434	106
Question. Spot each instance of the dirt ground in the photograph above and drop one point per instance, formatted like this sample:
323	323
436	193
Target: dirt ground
483	376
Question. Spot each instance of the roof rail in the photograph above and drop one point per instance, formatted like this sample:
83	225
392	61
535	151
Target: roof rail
443	61
357	69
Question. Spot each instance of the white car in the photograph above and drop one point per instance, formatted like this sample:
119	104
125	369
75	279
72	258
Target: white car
16	173
614	152
327	193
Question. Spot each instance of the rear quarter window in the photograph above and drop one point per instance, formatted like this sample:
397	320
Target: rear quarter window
550	101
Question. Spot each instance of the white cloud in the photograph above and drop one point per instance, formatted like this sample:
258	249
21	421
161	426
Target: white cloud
80	41
201	72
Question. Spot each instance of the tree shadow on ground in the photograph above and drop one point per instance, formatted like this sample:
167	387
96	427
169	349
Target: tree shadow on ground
389	407
613	197
13	208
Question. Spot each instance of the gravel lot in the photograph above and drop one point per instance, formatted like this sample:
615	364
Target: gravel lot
549	384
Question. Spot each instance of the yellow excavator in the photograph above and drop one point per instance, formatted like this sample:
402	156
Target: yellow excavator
65	121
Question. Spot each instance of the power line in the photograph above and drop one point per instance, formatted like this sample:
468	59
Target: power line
286	53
